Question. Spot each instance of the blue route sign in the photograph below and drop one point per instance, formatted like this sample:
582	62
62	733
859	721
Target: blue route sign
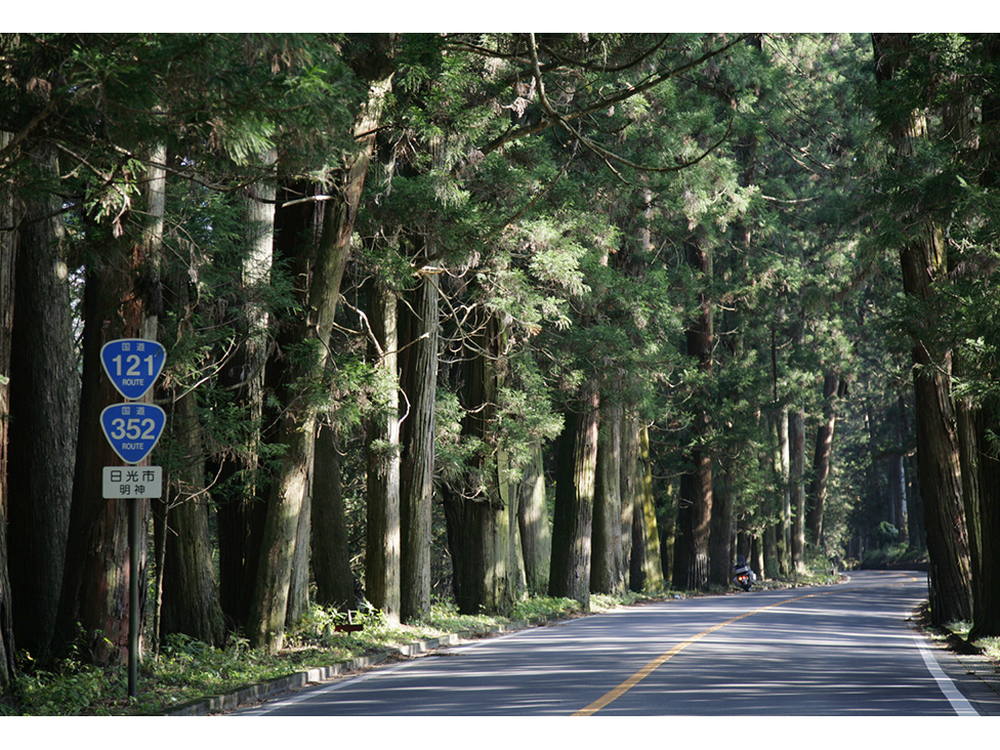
133	365
133	429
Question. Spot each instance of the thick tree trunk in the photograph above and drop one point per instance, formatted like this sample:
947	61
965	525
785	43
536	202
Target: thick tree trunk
822	460
483	535
986	620
607	573
723	530
796	484
923	258
331	561
122	299
297	425
693	573
382	556
240	512
532	517
630	483
646	536
420	365
8	246
44	398
190	592
298	588
570	573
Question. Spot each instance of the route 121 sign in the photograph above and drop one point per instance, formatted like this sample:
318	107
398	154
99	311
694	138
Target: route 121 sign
133	429
133	365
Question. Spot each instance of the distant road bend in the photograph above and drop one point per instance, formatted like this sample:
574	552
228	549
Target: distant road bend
844	650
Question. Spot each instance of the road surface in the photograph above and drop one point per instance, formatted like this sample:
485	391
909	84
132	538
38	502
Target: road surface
843	650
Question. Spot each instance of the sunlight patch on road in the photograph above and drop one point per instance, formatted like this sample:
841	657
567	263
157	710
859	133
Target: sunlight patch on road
652	666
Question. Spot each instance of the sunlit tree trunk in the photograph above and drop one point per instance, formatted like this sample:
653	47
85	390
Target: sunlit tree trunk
420	366
532	516
822	458
574	508
44	393
240	512
645	535
629	484
607	573
923	259
797	490
382	555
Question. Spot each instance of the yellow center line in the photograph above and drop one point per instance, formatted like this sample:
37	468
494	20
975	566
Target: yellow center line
648	669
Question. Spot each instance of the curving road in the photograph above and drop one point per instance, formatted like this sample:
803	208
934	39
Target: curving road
844	650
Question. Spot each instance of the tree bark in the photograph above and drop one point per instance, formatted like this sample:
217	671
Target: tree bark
822	459
923	260
121	300
240	512
532	516
44	405
570	572
647	538
382	555
190	592
331	562
296	427
420	366
797	450
986	619
723	528
481	513
607	574
630	483
8	249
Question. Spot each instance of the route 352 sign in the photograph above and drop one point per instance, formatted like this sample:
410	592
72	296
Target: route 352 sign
133	429
133	365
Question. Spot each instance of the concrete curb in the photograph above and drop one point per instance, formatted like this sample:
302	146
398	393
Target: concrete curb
262	691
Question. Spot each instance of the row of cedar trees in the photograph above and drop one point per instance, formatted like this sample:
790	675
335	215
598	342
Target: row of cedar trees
63	577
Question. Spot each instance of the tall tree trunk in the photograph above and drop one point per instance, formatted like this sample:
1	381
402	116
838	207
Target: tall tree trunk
382	556
240	512
693	573
44	393
923	260
190	592
121	300
573	521
532	516
607	574
822	459
647	538
723	529
296	427
331	562
8	249
481	514
986	621
796	483
420	366
298	587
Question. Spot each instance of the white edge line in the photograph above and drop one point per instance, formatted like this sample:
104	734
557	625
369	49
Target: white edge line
958	702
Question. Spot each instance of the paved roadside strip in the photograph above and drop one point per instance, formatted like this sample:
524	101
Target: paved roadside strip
269	689
977	676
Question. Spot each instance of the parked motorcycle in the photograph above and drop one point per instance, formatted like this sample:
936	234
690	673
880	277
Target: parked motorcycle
743	575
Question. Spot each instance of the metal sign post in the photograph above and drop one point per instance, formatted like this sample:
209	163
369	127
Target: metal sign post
133	429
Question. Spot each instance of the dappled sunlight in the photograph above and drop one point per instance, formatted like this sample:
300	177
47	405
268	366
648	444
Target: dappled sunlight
837	651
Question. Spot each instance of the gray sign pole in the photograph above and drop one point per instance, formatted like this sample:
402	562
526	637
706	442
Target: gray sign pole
133	596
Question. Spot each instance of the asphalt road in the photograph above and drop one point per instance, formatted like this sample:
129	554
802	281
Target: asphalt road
844	650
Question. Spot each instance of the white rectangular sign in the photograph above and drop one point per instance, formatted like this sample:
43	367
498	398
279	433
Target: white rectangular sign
132	481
